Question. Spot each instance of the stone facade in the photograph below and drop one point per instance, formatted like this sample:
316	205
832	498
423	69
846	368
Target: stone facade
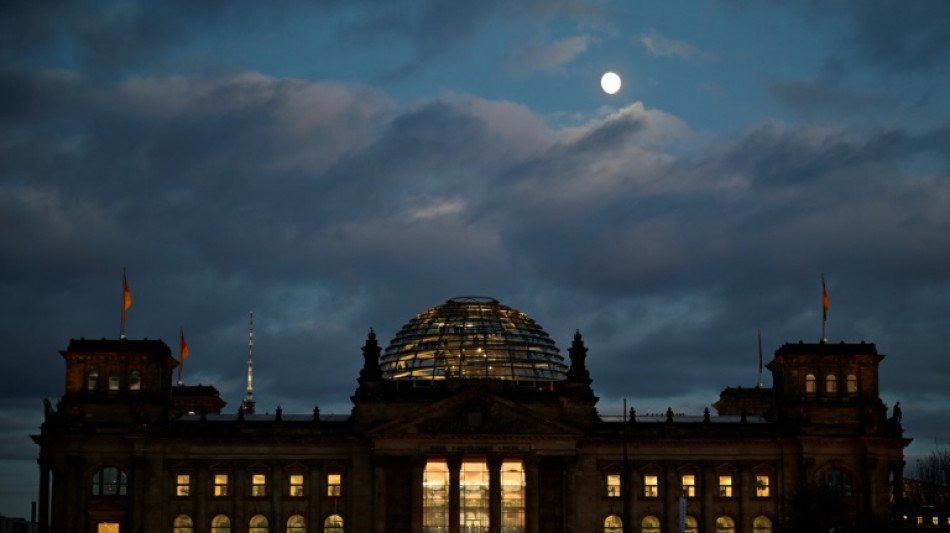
120	453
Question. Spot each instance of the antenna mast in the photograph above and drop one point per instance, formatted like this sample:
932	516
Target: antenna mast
248	405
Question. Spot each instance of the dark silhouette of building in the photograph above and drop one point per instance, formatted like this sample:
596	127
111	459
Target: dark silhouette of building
470	421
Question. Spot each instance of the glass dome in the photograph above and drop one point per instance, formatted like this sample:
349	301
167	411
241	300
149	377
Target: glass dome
473	338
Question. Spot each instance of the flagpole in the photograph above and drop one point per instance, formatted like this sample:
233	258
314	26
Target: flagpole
824	308
125	290
759	382
181	360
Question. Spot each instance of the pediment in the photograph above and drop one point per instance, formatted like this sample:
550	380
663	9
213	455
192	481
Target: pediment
472	413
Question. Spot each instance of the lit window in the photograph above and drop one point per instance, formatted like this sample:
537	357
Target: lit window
692	525
107	527
258	524
220	524
831	383
258	485
724	524
810	384
113	381
296	524
762	486
473	496
650	524
936	520
109	481
333	524
852	384
838	481
92	380
183	524
725	486
221	485
135	380
761	524
689	485
651	488
613	524
512	495
183	485
333	485
613	485
296	484
435	498
920	520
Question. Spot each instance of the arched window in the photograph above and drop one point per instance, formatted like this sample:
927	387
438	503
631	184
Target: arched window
221	524
135	380
333	524
724	524
692	525
650	524
92	380
810	384
831	383
257	524
109	481
613	524
113	381
852	384
182	524
838	481
761	524
296	524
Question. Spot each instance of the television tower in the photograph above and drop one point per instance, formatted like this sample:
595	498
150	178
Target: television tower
248	404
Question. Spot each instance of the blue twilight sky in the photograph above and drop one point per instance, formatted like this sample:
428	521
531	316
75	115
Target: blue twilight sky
337	166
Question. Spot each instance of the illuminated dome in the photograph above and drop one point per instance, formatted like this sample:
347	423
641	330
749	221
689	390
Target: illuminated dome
473	338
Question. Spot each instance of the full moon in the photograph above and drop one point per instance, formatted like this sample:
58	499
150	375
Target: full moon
610	82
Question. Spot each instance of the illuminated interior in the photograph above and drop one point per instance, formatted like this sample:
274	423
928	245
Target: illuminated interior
473	338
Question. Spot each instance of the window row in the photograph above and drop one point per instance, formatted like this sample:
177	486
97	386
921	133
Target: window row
726	488
831	384
257	524
259	485
133	381
651	524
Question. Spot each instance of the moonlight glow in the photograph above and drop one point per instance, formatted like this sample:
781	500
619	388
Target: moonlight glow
610	83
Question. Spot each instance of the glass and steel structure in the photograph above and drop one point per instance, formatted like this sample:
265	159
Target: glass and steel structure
473	338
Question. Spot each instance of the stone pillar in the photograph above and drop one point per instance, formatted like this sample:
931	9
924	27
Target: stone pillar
379	495
494	494
455	504
418	468
532	492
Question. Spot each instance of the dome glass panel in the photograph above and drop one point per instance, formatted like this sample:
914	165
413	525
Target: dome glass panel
473	338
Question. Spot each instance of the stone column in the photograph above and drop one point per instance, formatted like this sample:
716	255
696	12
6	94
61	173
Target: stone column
418	511
455	504
379	494
494	494
533	494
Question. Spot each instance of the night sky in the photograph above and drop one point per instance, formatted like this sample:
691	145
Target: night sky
337	166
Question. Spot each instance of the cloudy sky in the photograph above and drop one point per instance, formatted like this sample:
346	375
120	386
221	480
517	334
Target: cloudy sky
339	166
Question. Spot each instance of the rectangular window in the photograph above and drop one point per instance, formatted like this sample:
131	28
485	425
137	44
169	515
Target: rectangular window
258	485
689	485
512	496
473	496
333	485
725	486
651	486
435	498
183	485
296	484
762	486
613	485
220	484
